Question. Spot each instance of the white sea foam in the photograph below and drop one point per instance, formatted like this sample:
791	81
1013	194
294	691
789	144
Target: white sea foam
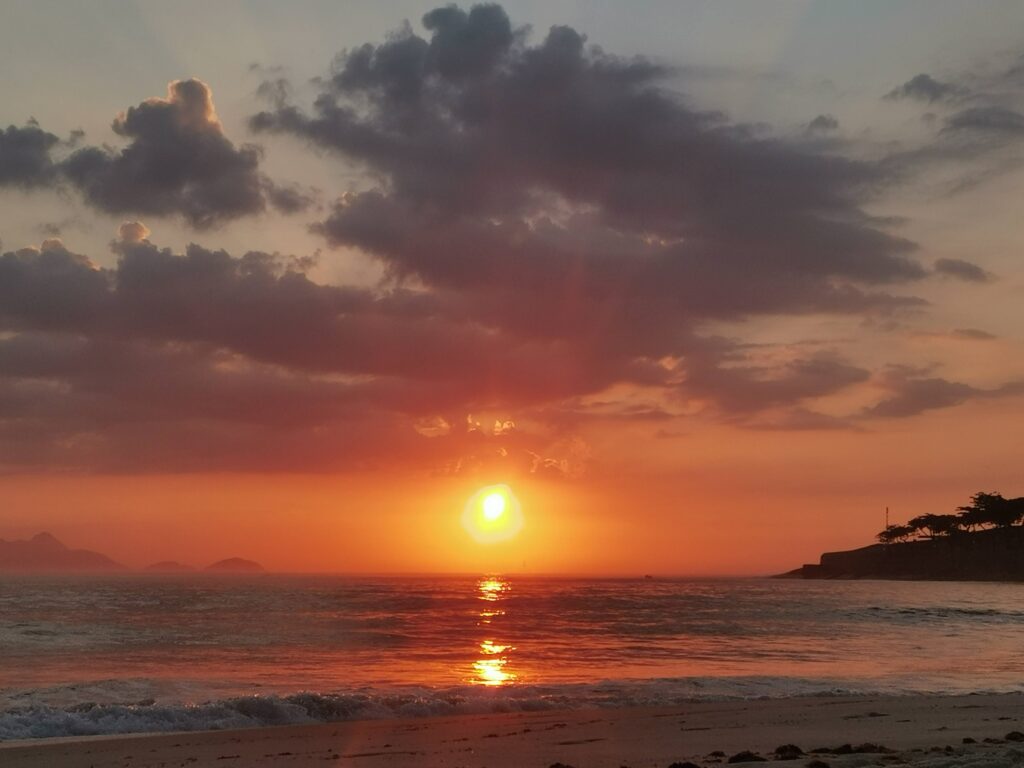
31	718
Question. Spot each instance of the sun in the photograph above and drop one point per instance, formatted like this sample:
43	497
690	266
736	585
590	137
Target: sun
492	515
494	505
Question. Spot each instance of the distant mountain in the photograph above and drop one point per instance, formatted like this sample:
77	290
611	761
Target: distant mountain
235	565
169	566
44	553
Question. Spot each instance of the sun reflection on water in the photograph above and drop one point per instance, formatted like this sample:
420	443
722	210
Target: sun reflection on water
492	672
491	589
492	668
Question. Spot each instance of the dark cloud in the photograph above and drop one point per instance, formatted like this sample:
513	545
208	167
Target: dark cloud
741	388
467	44
214	354
989	120
125	405
558	192
51	288
177	161
957	334
275	90
207	340
52	229
25	156
925	88
823	124
973	334
803	420
577	411
92	368
289	198
912	394
167	381
962	270
980	140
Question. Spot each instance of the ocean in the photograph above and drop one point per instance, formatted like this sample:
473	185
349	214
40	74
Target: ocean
120	654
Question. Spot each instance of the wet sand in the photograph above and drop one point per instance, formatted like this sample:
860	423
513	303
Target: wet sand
919	731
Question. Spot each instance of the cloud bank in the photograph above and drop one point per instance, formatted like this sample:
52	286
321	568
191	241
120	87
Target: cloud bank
557	227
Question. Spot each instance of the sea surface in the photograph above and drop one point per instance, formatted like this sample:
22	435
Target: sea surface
90	655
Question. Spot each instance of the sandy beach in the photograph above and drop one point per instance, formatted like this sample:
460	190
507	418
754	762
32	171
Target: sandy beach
918	731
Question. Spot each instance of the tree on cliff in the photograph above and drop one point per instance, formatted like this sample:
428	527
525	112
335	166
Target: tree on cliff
894	533
991	509
935	525
986	510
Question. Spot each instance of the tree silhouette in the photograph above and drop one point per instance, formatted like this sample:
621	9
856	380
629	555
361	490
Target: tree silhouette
895	533
992	509
986	510
935	525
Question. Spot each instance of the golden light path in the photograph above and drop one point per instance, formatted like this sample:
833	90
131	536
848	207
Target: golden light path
492	669
492	515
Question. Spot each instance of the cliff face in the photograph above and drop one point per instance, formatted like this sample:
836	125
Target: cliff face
994	555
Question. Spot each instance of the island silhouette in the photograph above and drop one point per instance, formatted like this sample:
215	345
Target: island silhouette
44	553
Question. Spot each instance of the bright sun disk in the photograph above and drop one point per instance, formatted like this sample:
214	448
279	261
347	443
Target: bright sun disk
492	515
494	505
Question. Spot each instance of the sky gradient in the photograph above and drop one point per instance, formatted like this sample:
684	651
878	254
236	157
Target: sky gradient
708	286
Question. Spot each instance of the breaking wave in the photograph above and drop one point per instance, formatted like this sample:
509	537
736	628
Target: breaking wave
33	720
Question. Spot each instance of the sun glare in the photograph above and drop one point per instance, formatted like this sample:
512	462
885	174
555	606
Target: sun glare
492	514
494	505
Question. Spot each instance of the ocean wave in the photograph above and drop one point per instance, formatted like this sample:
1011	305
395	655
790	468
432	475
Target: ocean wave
946	613
90	718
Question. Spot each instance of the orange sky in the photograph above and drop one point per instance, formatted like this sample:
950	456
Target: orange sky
734	505
708	301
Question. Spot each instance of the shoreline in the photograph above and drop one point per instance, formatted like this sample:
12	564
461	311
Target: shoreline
913	727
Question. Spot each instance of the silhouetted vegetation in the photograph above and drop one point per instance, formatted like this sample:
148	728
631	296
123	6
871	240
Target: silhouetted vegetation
986	511
982	541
